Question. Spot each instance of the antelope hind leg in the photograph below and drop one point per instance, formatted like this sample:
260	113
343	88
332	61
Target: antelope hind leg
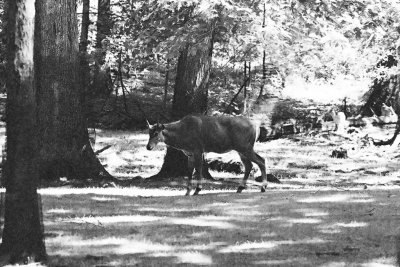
196	192
240	189
247	169
260	161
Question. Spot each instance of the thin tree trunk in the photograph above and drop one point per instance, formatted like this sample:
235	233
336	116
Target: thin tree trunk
22	239
264	67
101	71
65	149
103	21
190	96
166	84
245	87
83	44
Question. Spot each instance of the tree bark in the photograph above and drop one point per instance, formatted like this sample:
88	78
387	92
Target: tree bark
190	97
101	73
166	82
264	69
22	240
65	150
83	43
103	21
84	64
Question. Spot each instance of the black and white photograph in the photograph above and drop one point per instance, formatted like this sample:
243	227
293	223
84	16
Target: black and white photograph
200	133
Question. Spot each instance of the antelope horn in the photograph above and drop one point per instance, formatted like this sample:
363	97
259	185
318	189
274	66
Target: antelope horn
148	124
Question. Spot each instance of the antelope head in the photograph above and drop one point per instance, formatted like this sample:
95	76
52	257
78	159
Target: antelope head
155	135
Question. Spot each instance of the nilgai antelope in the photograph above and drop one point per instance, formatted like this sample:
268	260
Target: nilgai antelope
196	135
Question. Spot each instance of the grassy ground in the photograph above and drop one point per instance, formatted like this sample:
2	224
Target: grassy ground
122	227
326	212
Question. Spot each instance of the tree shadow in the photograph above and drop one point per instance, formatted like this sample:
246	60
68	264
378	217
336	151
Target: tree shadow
302	228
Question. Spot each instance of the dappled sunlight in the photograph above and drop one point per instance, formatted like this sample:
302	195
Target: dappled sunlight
249	247
312	212
113	219
335	228
137	246
251	229
193	258
330	231
381	262
204	221
376	180
163	210
290	262
263	246
347	198
352	224
127	192
113	162
59	211
304	220
34	264
105	199
202	247
75	245
243	212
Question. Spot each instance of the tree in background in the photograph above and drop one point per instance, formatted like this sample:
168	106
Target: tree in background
65	150
190	95
101	72
22	239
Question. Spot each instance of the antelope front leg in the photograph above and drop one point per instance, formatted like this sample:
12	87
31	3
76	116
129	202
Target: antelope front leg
198	164
190	174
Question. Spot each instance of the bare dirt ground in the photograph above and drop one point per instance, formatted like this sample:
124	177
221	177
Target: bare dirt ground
326	212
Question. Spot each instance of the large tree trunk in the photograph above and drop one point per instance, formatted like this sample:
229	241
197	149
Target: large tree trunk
22	239
65	150
190	96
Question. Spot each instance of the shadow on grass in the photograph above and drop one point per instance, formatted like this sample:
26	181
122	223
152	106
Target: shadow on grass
294	228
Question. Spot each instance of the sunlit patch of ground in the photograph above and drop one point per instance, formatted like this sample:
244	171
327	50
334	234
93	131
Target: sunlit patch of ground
300	163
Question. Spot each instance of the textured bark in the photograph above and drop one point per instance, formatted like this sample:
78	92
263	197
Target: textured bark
83	43
191	85
103	21
190	96
101	74
22	239
264	69
84	64
65	150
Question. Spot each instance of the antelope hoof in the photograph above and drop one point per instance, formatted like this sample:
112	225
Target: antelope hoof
240	189
196	192
263	189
